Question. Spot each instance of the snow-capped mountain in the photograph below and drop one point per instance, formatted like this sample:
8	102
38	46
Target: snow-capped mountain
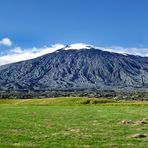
76	66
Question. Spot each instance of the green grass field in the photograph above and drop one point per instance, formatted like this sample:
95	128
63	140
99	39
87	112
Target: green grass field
72	122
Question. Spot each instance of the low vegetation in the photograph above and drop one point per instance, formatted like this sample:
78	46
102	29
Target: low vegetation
110	94
73	122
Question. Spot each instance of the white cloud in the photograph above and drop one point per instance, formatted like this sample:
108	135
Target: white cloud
122	50
5	42
117	49
20	54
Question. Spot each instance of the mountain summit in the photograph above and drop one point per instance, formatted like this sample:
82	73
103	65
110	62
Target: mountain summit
76	67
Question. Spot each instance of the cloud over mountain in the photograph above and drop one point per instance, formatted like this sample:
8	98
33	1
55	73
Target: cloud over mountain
20	54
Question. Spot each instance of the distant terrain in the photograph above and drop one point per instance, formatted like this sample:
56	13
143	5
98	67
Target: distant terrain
70	69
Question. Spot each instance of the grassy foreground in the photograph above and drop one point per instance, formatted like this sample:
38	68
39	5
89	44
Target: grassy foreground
72	122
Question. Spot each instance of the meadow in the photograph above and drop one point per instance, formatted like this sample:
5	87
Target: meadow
73	123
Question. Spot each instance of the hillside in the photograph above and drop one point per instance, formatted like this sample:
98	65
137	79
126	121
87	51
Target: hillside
70	68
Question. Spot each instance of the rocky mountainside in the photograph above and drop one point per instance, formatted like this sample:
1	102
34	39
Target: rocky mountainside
70	68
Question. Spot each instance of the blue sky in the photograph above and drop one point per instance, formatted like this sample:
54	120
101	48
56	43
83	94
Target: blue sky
105	23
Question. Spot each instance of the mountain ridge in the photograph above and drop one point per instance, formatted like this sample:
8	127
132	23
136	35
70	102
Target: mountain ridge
70	68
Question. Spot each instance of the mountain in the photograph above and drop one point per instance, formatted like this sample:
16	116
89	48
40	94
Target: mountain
76	68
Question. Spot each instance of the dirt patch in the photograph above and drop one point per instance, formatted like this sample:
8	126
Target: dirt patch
127	122
85	146
75	130
138	136
143	121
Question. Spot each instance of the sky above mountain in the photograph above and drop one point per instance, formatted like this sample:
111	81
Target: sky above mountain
35	25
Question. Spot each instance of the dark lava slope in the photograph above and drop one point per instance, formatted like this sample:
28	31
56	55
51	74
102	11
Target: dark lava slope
76	69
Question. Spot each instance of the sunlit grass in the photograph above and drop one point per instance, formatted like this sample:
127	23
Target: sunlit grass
71	122
70	101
